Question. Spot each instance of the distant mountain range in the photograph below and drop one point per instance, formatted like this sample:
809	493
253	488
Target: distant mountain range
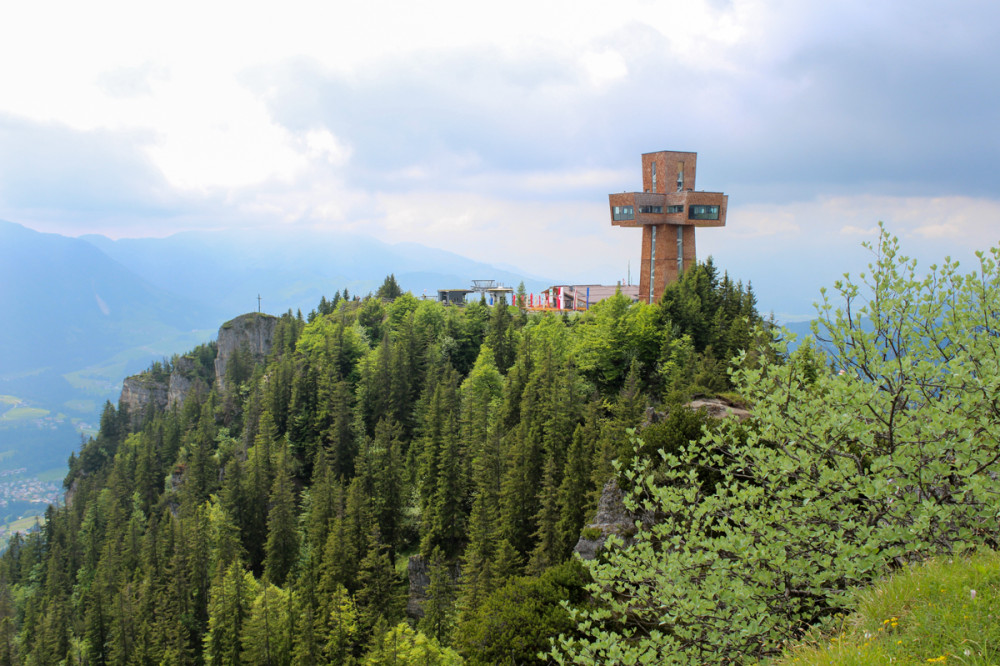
66	304
79	314
291	269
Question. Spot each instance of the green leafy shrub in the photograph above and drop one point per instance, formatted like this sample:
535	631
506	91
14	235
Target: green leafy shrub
515	623
836	478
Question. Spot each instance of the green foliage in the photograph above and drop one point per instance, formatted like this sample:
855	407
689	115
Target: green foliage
390	289
263	522
282	549
267	631
515	623
614	335
835	479
340	627
402	646
232	596
378	598
439	607
371	317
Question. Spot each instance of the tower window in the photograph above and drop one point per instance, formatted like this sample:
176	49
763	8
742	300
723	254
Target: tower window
703	213
652	168
623	213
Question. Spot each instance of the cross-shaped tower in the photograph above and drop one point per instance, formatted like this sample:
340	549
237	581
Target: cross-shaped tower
668	209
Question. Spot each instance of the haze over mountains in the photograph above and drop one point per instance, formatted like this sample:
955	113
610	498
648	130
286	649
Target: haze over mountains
227	269
82	313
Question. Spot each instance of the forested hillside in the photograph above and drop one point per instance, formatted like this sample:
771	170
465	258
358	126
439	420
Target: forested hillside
272	516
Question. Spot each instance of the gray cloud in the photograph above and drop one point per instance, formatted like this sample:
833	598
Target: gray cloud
896	102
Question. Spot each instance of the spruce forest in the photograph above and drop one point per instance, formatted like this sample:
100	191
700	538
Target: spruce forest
271	521
283	511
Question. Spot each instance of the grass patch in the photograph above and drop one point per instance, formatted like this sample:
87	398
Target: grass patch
23	413
81	406
24	524
946	610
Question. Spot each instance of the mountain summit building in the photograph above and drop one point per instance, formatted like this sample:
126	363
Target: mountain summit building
668	209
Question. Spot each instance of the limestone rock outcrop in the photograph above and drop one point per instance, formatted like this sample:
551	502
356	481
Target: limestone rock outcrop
160	390
183	379
611	518
418	573
253	331
718	408
142	390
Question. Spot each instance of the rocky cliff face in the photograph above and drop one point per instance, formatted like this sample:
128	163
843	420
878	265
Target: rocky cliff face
418	572
183	379
163	390
253	331
611	518
142	390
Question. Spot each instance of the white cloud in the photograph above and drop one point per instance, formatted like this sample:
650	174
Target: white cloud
174	69
321	144
851	230
604	67
763	220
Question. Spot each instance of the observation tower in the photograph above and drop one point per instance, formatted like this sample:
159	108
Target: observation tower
668	209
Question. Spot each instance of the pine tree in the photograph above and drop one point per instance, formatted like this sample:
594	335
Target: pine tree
323	498
548	544
282	548
8	626
439	608
390	289
258	480
338	439
577	486
307	647
499	336
378	596
266	638
481	429
507	563
380	470
340	627
233	593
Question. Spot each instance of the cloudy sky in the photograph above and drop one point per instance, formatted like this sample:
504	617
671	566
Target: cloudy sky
496	130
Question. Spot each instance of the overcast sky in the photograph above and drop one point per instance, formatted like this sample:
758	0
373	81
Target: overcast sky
496	130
